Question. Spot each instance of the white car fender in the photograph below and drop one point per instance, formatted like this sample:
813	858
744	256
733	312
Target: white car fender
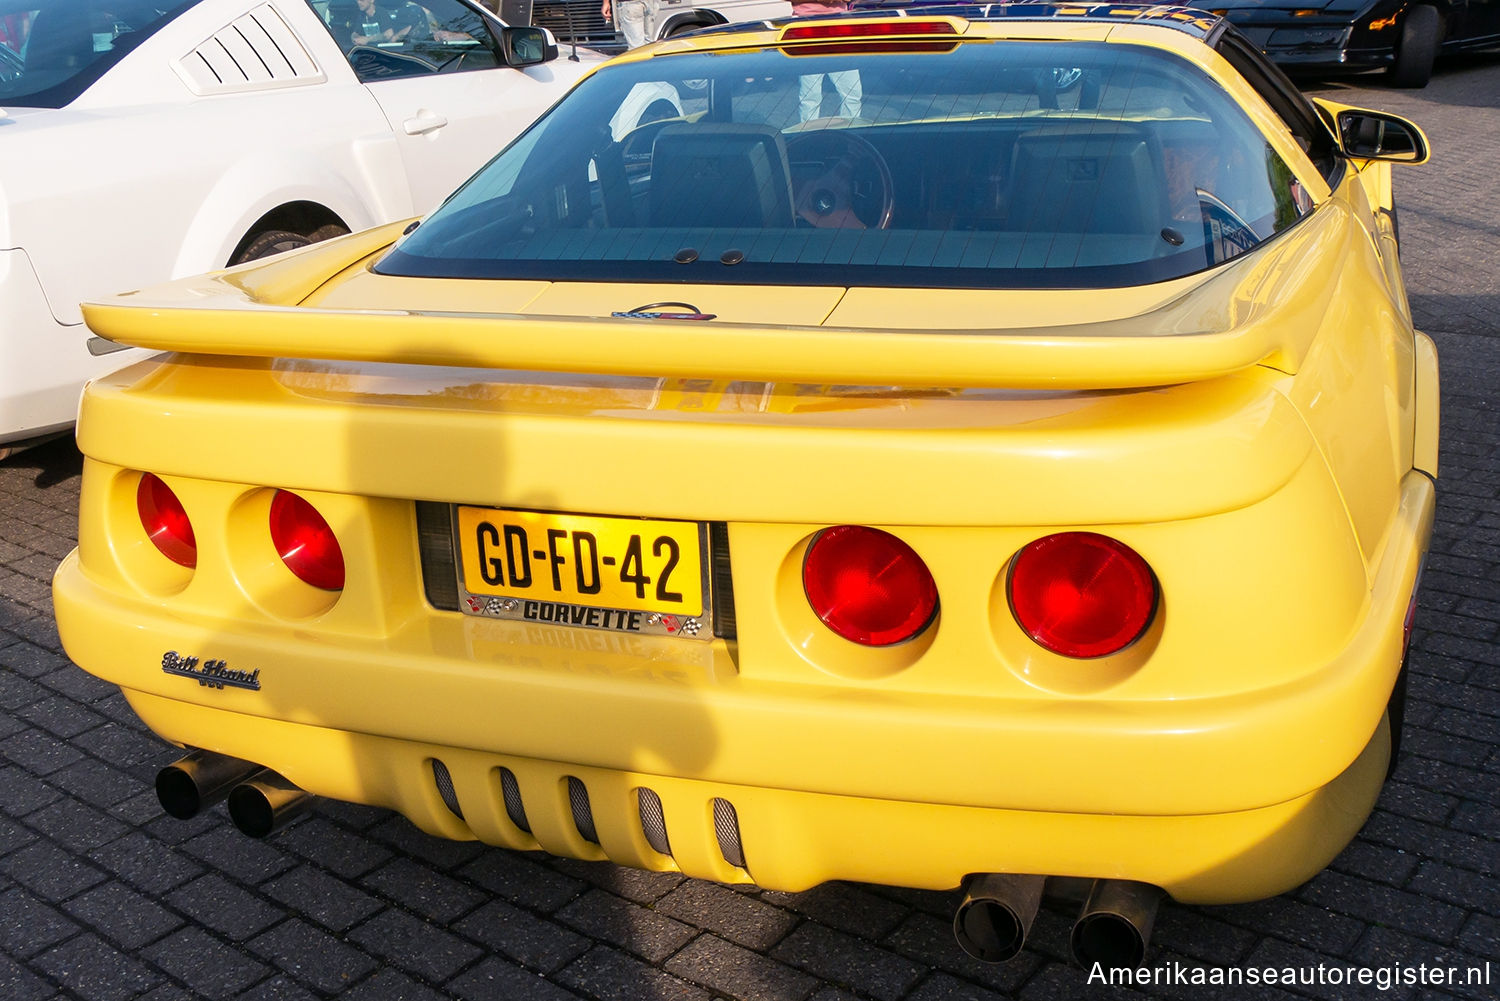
250	188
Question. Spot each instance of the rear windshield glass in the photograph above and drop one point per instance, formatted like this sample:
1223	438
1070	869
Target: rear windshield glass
52	50
993	164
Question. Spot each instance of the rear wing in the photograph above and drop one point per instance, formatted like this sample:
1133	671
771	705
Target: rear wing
1263	309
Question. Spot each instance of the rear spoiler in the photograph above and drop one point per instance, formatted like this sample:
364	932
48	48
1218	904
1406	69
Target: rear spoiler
1261	310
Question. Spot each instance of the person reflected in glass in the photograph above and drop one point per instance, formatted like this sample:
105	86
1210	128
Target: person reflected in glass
632	17
810	85
379	24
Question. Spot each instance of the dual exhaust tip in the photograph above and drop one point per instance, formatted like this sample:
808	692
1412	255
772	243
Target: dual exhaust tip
260	800
1113	927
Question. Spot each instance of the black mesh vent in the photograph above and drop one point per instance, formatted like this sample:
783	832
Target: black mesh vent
444	783
583	813
514	808
653	821
727	829
722	581
435	545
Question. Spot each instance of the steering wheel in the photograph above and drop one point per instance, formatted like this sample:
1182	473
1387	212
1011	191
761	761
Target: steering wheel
371	62
852	187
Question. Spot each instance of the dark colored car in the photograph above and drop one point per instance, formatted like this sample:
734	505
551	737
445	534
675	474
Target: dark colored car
1404	37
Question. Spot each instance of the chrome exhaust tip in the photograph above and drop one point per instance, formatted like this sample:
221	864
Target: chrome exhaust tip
265	803
992	922
1114	926
190	784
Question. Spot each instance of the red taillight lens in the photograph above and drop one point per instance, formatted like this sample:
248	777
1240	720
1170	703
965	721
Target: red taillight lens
1081	594
165	521
305	542
866	29
868	586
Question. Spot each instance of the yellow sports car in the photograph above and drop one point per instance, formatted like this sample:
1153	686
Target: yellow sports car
941	445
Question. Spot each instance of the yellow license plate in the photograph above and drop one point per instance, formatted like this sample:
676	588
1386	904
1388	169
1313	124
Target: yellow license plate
619	563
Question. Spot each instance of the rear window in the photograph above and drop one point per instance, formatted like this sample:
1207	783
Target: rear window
51	51
1009	164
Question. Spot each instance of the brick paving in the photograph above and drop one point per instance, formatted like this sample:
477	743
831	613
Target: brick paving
102	897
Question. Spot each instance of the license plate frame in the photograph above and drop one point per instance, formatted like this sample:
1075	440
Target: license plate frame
538	602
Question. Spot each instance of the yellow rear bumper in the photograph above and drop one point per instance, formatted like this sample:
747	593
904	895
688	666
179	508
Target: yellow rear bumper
1216	799
795	840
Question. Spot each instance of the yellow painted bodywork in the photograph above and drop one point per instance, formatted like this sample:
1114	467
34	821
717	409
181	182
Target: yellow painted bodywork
1263	434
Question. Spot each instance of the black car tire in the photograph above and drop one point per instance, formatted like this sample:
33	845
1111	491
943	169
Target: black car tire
272	241
279	241
1417	44
1396	713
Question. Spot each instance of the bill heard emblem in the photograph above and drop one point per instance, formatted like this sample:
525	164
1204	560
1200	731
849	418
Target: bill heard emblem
209	673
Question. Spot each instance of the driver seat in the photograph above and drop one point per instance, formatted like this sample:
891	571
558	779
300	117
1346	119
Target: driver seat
720	176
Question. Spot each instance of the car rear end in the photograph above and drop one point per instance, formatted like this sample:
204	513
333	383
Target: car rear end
777	581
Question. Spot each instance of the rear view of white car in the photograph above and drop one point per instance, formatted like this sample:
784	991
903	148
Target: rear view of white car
147	139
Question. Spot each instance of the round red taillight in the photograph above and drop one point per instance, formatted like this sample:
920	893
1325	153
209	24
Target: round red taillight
868	586
1081	594
166	521
305	542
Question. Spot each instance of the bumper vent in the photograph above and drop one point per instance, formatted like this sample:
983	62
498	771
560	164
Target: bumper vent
444	783
653	821
510	789
583	813
727	829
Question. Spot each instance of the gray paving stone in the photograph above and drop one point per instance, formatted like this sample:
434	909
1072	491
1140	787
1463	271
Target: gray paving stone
30	659
632	884
423	890
391	985
208	966
39	752
846	907
1460	887
61	716
625	924
77	684
279	988
238	857
29	925
126	917
537	943
146	863
127	747
224	906
94	783
942	987
610	975
312	956
19	984
50	872
76	825
749	976
343	853
493	980
438	852
522	880
92	969
847	960
928	940
22	792
326	899
741	918
415	945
